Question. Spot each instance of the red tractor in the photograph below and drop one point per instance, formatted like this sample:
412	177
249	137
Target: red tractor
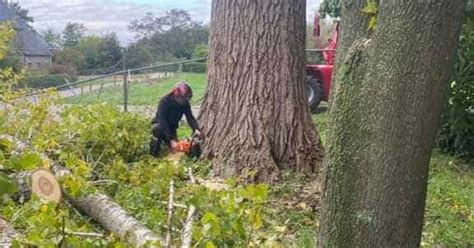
319	75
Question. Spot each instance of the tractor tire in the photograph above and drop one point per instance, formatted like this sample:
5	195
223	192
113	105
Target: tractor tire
314	93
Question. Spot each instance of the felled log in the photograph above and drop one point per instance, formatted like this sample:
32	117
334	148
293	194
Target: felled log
102	208
7	233
40	182
110	215
113	218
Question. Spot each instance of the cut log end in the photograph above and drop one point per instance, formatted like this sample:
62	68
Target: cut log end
45	185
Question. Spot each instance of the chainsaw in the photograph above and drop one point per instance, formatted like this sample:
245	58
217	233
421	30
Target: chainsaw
190	146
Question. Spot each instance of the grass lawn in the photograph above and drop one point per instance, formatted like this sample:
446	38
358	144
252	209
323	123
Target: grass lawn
145	94
320	121
449	214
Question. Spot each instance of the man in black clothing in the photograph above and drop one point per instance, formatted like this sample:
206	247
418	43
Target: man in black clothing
170	111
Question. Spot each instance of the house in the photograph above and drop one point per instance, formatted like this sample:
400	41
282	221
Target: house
34	50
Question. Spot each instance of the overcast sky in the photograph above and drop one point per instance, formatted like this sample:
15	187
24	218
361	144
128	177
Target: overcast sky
102	16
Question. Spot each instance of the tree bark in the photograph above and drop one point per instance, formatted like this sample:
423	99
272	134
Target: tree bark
386	104
254	113
113	218
7	233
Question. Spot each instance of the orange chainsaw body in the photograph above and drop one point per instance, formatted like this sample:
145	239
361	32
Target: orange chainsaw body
183	146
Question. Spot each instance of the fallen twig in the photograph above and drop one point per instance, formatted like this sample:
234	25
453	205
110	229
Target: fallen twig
191	177
187	231
186	236
170	215
102	182
82	234
177	205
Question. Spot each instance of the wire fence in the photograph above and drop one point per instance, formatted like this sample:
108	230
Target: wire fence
137	89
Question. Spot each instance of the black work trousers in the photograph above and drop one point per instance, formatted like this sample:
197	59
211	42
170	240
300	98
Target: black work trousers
158	138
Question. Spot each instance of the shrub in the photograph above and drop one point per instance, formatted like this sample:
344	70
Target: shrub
201	51
64	69
457	134
44	81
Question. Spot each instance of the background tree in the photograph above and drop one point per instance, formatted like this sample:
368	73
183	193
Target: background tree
171	36
22	13
139	55
181	42
12	59
89	47
9	57
145	26
72	34
111	50
71	57
457	135
52	37
389	89
101	53
150	25
201	51
330	8
92	55
254	114
8	75
7	34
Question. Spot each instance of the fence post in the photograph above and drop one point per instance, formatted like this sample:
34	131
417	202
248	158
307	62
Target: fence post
101	88
125	81
180	69
125	92
70	87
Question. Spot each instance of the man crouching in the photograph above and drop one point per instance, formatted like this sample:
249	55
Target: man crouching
170	111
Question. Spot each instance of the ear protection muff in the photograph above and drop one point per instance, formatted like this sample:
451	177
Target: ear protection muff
175	91
181	89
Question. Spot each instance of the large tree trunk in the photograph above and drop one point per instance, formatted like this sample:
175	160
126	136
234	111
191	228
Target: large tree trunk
386	104
255	114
